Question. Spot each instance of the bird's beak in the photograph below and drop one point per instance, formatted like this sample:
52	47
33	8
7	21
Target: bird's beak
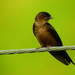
50	17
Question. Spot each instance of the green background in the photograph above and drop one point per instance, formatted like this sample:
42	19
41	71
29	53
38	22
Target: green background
16	21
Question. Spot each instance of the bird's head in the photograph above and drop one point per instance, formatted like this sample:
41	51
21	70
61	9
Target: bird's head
43	16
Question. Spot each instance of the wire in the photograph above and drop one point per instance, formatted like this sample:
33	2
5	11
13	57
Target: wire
32	50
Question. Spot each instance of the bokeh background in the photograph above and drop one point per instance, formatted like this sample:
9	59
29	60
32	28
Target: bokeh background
16	21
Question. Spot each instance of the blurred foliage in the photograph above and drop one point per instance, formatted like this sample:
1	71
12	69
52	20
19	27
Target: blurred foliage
16	21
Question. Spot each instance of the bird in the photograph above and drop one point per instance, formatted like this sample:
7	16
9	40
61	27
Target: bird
48	36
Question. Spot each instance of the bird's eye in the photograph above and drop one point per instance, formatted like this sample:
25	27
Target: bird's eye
46	15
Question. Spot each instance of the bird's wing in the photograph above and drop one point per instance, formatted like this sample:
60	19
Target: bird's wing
62	56
34	28
53	32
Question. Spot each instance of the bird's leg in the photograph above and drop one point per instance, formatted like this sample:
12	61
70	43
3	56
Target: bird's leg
46	46
39	47
49	46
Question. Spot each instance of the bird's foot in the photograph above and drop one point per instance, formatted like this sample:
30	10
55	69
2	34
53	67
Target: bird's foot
42	47
49	46
39	47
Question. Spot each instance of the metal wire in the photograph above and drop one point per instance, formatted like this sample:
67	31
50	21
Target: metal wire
32	50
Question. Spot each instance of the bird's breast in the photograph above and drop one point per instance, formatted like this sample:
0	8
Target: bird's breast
44	37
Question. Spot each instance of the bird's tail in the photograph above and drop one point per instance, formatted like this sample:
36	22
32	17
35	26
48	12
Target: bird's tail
63	57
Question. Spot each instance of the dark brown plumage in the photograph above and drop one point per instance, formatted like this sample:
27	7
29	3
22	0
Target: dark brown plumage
47	36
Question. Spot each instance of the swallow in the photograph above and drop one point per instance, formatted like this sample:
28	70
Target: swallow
48	37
